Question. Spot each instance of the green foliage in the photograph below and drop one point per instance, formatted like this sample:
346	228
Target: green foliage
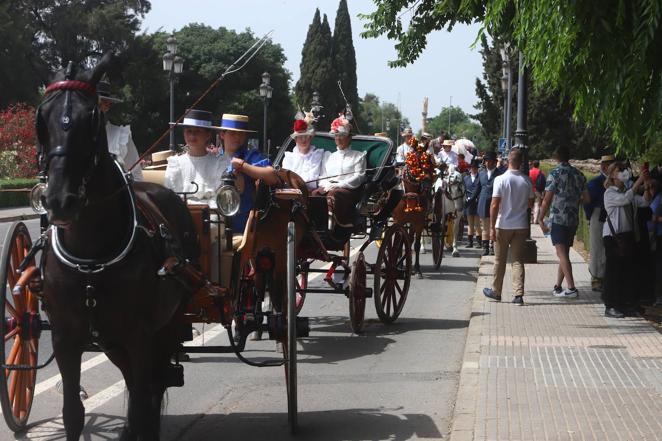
461	126
344	58
206	52
15	198
372	112
603	56
317	71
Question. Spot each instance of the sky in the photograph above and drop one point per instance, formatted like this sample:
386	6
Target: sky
448	67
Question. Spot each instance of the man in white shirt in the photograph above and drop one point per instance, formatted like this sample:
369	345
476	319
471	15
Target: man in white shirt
345	172
305	159
511	198
447	155
120	140
404	148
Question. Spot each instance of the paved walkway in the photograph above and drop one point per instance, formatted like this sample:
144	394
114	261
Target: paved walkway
17	213
556	369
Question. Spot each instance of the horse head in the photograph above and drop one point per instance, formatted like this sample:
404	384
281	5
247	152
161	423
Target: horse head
72	139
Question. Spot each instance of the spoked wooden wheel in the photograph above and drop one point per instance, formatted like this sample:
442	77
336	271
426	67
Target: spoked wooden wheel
20	318
392	274
357	293
290	343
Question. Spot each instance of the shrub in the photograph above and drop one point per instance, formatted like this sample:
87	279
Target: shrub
18	139
15	198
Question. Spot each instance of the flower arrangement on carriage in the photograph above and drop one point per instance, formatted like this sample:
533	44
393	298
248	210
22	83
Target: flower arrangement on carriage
419	170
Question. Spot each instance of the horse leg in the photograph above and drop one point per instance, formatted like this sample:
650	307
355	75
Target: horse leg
68	357
417	249
120	358
140	425
458	221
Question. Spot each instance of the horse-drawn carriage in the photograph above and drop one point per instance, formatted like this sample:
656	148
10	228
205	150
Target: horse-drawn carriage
392	269
117	268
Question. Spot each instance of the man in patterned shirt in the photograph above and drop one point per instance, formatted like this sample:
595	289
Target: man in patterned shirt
564	190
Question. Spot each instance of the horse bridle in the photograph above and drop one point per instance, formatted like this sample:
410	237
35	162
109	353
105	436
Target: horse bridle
44	158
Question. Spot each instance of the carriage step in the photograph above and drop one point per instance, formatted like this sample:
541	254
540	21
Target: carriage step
174	376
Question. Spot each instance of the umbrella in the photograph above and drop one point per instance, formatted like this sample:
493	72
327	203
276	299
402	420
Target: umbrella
461	146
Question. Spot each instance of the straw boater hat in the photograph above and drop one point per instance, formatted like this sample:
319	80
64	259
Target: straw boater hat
341	126
406	132
160	160
448	142
382	134
235	123
103	90
196	118
607	159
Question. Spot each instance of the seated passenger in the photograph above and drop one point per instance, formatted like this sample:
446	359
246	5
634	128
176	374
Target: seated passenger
248	165
305	159
344	171
196	164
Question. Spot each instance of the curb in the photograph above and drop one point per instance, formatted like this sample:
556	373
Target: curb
19	217
464	413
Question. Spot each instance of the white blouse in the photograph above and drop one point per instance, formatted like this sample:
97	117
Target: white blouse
120	144
309	166
205	171
349	163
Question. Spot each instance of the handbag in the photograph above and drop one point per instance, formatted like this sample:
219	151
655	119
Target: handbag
625	246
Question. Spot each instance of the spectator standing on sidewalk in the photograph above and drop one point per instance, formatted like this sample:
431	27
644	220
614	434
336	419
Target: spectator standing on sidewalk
471	204
619	294
511	199
538	181
656	227
594	211
565	189
484	190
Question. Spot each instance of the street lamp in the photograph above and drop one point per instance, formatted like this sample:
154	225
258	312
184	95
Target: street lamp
370	122
265	92
315	106
507	86
174	65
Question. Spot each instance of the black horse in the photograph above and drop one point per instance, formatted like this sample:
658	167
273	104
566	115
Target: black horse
102	257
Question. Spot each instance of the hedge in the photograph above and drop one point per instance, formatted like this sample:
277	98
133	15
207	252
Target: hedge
15	198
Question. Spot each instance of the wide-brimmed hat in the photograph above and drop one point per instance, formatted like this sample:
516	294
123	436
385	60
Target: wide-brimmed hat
474	163
235	123
341	126
302	128
607	159
448	142
103	90
490	156
197	118
382	134
426	135
159	160
406	132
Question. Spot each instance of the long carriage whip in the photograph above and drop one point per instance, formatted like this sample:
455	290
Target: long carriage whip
350	173
245	57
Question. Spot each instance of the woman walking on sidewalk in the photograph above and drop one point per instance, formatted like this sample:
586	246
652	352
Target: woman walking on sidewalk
619	239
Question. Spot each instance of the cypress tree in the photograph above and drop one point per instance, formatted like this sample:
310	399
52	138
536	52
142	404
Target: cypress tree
344	59
317	71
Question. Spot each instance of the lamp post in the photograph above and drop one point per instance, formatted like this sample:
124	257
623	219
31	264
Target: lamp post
265	92
506	70
173	64
315	106
388	127
370	122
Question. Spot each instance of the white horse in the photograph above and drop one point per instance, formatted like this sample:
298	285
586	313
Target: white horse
450	187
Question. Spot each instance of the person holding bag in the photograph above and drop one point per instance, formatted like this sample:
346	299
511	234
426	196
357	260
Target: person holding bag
618	235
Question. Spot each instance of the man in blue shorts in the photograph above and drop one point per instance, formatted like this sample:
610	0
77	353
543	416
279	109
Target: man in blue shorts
564	190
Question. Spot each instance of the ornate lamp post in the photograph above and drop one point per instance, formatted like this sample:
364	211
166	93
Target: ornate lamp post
173	64
265	92
507	85
370	122
315	106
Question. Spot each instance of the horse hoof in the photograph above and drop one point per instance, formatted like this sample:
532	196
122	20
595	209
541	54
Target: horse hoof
456	253
419	275
255	336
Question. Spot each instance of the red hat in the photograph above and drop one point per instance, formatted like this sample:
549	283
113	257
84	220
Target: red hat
341	126
302	127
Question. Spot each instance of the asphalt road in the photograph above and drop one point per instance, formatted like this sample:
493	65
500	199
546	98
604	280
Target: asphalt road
393	382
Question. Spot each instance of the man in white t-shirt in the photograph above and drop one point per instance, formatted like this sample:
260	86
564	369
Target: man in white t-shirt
511	198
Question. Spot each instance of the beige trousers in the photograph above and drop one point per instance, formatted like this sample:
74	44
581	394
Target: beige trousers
473	221
485	226
515	240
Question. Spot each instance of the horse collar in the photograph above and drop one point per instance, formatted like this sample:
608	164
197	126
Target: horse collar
72	85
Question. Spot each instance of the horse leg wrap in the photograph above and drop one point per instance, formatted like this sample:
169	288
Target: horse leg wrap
174	375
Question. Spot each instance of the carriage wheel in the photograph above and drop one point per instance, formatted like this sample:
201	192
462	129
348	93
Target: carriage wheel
290	343
20	346
357	293
392	274
301	284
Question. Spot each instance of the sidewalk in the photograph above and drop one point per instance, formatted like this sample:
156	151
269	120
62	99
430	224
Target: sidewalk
556	369
17	213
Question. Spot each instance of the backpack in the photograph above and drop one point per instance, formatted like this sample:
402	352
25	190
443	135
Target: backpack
540	182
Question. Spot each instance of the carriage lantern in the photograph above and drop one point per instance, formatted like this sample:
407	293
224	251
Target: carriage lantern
228	199
36	195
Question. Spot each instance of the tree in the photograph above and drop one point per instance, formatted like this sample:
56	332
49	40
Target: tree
206	52
344	57
317	71
461	126
490	93
372	111
602	56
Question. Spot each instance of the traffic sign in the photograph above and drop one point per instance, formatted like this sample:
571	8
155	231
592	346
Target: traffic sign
502	145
